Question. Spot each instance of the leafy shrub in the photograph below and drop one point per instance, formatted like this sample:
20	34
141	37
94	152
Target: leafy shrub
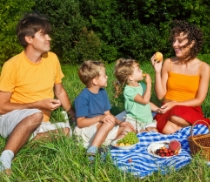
105	29
87	47
72	41
11	12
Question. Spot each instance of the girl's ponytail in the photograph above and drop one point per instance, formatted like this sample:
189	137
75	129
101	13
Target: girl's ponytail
123	69
117	89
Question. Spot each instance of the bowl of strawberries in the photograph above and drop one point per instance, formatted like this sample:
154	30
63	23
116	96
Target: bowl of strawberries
164	149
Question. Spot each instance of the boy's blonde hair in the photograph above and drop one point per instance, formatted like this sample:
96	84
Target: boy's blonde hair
123	69
89	70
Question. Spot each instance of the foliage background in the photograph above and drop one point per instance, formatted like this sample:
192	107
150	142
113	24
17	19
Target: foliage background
104	29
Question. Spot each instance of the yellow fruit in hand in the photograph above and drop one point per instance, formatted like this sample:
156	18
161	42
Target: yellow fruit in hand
158	57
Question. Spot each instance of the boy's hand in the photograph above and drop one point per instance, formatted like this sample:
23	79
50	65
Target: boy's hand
107	118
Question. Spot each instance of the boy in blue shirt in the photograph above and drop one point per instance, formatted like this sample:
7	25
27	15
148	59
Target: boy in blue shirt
95	124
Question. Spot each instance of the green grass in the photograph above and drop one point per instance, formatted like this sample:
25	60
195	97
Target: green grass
64	159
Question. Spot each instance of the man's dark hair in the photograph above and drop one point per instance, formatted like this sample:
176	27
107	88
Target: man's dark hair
30	24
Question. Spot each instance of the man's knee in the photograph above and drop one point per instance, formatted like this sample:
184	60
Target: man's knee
35	119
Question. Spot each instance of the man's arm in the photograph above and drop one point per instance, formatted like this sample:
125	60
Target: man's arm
61	95
7	106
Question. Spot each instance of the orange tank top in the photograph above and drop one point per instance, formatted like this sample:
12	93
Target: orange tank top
182	87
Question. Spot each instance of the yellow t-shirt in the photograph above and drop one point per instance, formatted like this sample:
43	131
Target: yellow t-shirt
30	82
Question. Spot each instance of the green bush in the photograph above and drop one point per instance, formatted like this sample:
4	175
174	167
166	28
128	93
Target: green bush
10	13
72	41
105	29
87	47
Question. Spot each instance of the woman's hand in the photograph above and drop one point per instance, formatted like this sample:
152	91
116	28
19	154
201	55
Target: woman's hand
159	110
156	65
167	106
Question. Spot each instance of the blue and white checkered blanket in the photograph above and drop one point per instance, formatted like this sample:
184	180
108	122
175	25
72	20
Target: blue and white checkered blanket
140	163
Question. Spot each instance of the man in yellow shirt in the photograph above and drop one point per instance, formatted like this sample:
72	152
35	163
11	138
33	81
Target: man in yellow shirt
28	83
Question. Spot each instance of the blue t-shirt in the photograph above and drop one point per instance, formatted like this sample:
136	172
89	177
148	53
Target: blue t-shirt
88	104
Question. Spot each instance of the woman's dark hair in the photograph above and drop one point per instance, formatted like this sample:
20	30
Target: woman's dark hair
30	24
193	33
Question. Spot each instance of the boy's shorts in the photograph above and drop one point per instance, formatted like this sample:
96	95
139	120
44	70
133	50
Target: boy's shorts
138	125
10	120
87	134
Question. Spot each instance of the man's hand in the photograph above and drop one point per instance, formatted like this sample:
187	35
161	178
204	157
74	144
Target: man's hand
49	104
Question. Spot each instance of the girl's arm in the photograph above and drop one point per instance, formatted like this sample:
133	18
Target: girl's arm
145	98
154	107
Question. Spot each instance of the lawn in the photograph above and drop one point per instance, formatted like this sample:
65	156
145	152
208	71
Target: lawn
64	159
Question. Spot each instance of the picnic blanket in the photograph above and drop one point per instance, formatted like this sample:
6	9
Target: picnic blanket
140	163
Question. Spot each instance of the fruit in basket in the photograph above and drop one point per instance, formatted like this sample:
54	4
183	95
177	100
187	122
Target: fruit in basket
129	139
158	57
175	146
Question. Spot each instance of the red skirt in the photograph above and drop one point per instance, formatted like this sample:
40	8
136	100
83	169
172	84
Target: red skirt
188	113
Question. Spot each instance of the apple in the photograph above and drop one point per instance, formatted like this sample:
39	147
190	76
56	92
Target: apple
158	57
175	146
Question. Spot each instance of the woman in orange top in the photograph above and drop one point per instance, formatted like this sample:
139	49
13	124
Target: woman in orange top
182	81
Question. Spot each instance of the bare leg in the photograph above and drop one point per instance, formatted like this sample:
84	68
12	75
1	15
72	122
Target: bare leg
102	133
22	132
18	138
151	129
179	121
175	124
170	128
122	131
48	135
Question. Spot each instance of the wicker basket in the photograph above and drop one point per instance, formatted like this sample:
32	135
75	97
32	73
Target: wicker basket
200	143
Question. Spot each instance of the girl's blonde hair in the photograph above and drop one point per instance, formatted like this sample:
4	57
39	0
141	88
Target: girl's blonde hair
123	69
